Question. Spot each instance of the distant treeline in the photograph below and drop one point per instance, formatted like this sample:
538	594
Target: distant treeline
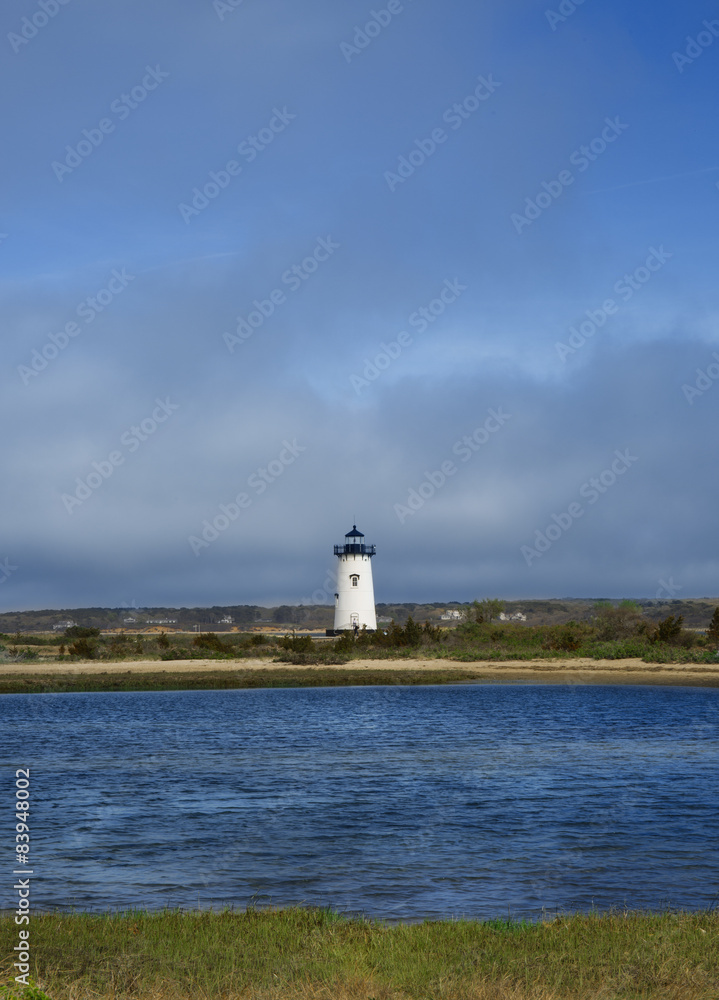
695	613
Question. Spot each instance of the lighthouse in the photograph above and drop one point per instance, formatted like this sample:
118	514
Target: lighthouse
354	600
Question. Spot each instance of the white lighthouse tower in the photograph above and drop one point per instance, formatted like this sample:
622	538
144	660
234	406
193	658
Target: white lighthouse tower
354	600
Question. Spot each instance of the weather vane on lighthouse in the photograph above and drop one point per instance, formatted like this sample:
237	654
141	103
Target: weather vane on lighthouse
354	600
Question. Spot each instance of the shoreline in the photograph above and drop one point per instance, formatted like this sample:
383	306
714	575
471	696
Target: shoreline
413	671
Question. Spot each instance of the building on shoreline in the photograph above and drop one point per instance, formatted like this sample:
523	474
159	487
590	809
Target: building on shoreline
354	599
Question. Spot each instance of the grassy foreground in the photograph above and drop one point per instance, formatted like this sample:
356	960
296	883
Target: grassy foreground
317	955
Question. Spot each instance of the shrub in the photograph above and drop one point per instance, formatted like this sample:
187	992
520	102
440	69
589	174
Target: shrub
297	643
567	638
117	648
622	622
484	612
412	634
629	649
83	648
81	632
713	630
211	642
345	644
668	631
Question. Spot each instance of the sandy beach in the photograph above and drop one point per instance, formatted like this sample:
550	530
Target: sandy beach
579	671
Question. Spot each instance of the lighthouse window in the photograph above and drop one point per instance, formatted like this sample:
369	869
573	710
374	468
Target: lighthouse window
355	579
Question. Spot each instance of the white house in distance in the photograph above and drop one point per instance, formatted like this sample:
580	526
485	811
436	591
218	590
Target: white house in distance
354	600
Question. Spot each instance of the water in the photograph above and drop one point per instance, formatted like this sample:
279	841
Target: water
400	803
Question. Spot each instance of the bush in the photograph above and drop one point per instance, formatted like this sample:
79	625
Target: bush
412	634
80	632
629	649
23	654
297	643
83	648
484	612
117	648
345	645
623	622
30	640
669	631
211	642
567	638
713	630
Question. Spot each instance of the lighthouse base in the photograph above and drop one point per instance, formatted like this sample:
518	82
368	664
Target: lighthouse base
343	631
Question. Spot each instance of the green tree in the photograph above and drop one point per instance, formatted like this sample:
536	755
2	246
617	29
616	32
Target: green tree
487	610
669	630
432	631
713	630
412	633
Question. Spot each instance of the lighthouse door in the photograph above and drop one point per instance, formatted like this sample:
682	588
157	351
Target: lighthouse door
354	621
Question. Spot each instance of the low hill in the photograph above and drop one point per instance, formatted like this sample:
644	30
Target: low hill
697	614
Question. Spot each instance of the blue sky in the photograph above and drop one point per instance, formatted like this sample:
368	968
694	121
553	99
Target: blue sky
332	244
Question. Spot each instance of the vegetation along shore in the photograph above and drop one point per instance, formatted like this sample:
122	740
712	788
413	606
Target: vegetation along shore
312	954
618	644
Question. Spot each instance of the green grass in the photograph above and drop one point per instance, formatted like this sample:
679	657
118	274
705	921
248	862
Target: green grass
303	954
128	680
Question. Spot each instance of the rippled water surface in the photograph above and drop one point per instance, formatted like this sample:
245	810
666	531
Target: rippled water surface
401	803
